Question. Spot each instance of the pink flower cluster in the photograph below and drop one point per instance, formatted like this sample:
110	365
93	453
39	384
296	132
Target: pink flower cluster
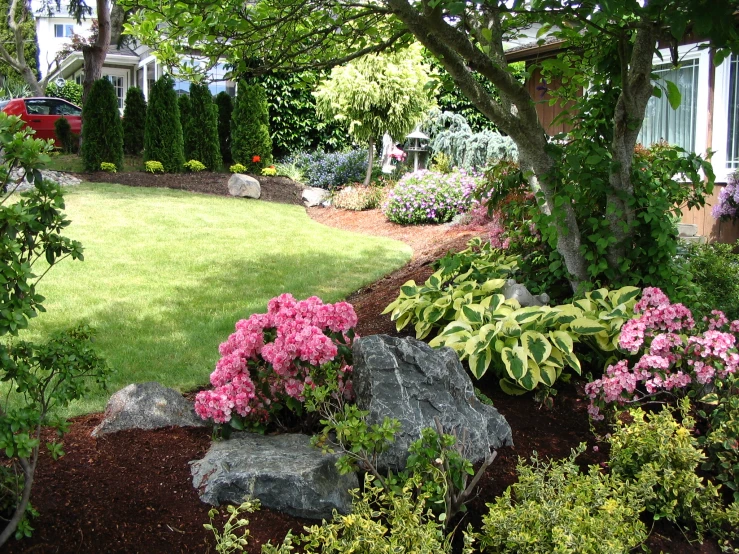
674	355
270	356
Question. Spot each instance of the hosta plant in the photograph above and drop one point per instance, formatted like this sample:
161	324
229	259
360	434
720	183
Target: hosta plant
269	361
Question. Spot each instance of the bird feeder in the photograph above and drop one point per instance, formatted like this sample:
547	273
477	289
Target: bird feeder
418	143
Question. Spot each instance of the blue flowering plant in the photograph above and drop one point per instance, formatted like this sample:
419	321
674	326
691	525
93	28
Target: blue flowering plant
330	170
431	197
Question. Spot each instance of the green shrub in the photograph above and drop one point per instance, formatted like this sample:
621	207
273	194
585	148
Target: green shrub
153	167
237	168
194	166
289	170
204	128
134	122
715	270
163	137
251	144
555	508
225	110
63	131
269	171
102	133
69	91
188	135
358	198
661	453
109	167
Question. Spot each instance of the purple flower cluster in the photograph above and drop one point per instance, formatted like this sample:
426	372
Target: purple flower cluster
728	200
674	355
331	170
431	197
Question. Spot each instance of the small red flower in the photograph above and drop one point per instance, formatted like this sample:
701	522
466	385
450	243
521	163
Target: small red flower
255	159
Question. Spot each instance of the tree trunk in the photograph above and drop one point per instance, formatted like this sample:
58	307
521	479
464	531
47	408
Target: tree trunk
29	468
370	162
94	54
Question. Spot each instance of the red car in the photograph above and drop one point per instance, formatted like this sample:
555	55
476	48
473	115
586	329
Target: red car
40	114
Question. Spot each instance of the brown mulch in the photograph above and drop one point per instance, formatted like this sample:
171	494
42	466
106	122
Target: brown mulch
131	492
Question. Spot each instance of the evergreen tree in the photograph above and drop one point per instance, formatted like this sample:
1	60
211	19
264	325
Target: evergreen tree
134	122
204	119
102	133
187	134
251	143
163	136
225	109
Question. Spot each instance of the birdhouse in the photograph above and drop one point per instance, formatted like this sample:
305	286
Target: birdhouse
418	144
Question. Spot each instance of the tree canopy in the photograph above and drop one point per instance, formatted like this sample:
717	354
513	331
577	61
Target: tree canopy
612	42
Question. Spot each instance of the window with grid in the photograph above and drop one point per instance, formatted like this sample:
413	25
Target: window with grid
661	122
118	86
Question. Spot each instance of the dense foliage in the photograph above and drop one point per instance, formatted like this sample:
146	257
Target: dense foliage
63	132
327	170
225	109
715	273
102	133
430	197
251	142
188	137
69	91
134	122
203	128
163	140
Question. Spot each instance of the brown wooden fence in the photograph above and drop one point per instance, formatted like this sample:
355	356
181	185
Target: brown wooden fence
713	230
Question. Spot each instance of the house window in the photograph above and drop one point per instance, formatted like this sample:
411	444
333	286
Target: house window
732	134
62	31
661	122
118	86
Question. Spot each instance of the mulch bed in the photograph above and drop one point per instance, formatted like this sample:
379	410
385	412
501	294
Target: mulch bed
131	492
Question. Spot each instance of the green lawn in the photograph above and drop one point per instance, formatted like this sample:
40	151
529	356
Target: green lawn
167	274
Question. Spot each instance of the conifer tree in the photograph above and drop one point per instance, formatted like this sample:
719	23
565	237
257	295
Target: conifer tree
251	143
134	122
163	136
204	125
102	133
225	110
187	133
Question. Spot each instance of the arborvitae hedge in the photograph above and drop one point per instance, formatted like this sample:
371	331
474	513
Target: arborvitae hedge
134	122
187	135
250	128
102	132
204	128
163	137
225	110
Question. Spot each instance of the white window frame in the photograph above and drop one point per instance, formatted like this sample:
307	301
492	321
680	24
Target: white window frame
721	121
64	27
685	53
122	73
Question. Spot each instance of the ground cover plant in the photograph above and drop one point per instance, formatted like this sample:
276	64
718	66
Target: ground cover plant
160	313
328	170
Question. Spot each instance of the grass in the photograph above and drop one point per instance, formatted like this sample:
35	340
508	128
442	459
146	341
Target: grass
167	274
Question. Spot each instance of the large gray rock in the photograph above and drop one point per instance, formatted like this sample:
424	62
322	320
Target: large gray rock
314	196
283	471
244	186
408	380
147	406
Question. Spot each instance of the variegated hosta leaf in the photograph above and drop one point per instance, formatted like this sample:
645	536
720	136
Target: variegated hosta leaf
538	346
509	386
586	326
515	362
480	362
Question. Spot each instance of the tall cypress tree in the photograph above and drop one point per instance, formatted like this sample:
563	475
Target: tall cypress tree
250	138
187	133
225	109
102	133
163	136
204	118
134	122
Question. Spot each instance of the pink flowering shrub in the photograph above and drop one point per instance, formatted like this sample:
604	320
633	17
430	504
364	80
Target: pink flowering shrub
270	359
672	355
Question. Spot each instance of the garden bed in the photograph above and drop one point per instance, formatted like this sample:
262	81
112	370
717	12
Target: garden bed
132	491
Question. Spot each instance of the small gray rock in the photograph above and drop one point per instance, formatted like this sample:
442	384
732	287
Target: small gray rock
314	196
283	471
407	380
147	406
244	186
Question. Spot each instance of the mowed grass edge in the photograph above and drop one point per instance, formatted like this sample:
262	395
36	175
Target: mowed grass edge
168	273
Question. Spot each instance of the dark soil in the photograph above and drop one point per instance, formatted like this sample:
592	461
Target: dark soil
131	492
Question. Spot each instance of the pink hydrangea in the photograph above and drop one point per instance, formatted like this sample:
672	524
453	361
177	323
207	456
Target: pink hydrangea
303	335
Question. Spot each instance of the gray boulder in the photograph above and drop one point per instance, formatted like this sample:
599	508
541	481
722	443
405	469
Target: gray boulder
147	406
314	196
407	380
283	471
244	186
